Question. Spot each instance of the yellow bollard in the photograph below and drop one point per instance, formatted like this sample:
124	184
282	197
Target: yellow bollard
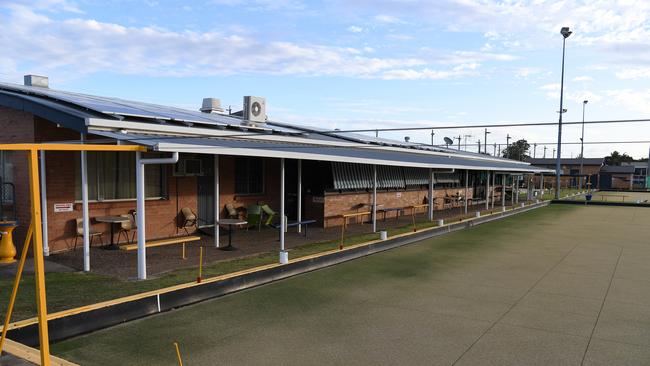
198	279
183	256
14	291
178	354
7	247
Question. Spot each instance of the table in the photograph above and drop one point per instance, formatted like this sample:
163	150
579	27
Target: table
230	223
111	220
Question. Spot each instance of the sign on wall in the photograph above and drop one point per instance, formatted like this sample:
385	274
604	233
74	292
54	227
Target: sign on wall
63	207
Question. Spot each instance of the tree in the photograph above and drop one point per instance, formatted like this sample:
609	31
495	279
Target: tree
518	150
616	158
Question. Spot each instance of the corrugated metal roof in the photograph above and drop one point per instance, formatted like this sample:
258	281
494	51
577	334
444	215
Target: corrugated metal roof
362	155
93	114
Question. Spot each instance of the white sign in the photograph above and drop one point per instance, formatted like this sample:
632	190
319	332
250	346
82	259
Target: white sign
63	207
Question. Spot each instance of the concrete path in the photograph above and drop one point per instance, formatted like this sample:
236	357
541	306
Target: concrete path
564	285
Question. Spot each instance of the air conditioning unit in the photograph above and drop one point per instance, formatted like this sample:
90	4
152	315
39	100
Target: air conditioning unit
254	109
189	168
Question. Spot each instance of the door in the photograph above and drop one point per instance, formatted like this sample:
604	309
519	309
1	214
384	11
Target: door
205	200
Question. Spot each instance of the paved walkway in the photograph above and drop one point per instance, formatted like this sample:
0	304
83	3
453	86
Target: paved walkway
564	285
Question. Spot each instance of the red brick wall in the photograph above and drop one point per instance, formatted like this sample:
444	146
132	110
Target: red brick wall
18	127
342	203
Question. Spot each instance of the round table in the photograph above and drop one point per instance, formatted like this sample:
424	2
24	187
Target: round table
111	220
230	223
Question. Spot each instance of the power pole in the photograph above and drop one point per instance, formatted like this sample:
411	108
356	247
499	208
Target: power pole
544	152
432	133
459	139
495	149
534	150
479	146
485	140
553	153
508	140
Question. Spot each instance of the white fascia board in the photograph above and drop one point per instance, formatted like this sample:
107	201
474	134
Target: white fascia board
139	127
203	149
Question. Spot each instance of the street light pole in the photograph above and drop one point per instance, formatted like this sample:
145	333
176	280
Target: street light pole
558	168
432	134
582	142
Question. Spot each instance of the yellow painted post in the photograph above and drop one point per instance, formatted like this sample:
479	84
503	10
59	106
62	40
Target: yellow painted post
342	233
39	270
198	279
184	257
178	354
14	291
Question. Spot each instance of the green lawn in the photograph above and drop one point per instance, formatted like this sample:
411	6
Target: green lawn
529	289
359	312
70	290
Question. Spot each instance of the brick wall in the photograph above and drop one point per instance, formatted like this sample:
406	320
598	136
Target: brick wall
336	204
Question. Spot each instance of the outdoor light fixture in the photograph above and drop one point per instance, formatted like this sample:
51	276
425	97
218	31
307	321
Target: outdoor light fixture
558	169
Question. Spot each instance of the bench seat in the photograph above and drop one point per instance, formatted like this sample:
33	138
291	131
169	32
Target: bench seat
162	242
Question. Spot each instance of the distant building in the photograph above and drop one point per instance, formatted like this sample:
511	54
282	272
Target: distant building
571	170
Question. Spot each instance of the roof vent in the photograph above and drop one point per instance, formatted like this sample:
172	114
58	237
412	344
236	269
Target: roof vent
36	80
254	110
211	105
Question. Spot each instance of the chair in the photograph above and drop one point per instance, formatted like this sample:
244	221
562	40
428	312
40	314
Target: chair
189	219
268	211
254	216
231	212
80	233
127	227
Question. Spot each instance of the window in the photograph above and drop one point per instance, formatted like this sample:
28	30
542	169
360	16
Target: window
111	176
249	176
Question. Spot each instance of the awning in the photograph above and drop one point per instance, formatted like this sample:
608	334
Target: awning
363	154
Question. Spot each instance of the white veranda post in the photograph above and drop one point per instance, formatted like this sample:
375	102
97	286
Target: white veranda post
299	196
374	198
217	202
84	209
284	255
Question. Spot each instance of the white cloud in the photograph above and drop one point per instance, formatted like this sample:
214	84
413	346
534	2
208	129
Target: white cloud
82	46
583	78
524	72
631	99
389	19
355	29
634	73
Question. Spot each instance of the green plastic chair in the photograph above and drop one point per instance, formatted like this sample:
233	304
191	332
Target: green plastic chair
254	216
268	211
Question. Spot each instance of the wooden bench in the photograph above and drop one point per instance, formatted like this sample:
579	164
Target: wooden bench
162	242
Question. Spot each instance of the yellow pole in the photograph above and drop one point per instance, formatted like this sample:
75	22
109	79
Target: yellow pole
184	257
198	279
342	233
178	354
39	270
14	291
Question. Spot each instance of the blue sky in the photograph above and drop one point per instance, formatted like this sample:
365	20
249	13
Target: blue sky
353	64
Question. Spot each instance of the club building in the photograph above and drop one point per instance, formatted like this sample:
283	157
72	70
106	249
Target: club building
204	160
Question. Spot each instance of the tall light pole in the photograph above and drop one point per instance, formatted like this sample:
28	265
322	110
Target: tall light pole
432	134
582	142
485	140
558	168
